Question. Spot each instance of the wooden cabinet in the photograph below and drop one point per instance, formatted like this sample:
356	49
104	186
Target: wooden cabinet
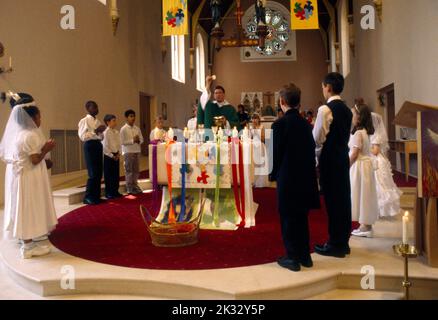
407	147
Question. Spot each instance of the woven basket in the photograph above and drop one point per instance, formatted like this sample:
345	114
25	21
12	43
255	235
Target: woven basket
180	234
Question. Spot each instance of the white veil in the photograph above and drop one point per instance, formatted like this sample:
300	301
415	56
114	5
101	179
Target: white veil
380	135
19	121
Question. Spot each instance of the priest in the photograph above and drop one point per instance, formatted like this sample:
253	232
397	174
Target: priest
209	109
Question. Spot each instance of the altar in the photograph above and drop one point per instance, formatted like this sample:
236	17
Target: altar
222	173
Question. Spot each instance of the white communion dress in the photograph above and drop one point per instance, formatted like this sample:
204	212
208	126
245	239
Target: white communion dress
29	208
388	194
363	183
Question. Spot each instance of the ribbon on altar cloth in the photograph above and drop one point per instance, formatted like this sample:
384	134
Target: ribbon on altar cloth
171	218
182	213
240	205
154	144
242	183
154	177
217	188
246	184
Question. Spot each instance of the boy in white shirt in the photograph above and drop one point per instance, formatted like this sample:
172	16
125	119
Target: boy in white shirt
90	131
111	160
158	133
132	139
193	122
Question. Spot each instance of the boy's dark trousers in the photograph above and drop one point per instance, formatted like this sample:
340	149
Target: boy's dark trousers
295	231
111	170
93	152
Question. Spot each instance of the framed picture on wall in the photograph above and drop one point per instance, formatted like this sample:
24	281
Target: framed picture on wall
164	110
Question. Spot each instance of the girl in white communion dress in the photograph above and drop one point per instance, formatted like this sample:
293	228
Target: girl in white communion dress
388	194
363	184
29	208
261	165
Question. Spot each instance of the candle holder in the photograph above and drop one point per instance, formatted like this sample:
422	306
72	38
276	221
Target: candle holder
407	252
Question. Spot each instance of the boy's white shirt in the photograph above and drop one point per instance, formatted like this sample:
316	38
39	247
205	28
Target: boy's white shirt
157	134
111	142
87	127
192	123
323	122
127	134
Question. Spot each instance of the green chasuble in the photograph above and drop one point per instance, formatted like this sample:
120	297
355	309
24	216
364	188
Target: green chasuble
206	117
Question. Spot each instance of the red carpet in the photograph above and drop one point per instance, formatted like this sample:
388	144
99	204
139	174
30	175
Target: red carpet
400	180
114	233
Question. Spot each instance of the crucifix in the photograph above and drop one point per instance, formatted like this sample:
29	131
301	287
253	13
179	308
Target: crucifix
239	13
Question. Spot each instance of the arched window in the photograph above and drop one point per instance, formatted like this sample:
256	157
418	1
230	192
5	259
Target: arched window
178	59
200	63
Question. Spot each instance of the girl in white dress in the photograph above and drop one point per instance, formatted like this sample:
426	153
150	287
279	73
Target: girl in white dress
363	183
388	194
29	207
261	166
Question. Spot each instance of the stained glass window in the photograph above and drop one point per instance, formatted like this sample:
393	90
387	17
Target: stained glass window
278	28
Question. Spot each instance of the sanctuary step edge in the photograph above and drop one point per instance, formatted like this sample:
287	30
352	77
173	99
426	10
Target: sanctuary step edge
75	195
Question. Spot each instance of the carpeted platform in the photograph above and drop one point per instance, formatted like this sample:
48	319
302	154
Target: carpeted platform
114	233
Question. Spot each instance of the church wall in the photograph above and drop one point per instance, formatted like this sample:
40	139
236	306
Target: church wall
307	72
63	69
402	50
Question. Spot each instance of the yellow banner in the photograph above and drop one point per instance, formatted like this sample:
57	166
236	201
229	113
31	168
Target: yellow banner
304	14
175	18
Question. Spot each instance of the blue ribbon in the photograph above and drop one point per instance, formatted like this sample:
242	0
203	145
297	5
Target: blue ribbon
182	213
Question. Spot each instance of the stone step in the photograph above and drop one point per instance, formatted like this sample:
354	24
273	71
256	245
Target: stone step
348	294
409	190
76	195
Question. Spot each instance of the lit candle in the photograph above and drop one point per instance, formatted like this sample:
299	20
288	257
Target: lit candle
235	133
10	63
405	227
186	133
170	134
245	135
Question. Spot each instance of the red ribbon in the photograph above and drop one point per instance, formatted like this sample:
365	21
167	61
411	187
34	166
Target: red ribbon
240	200
242	182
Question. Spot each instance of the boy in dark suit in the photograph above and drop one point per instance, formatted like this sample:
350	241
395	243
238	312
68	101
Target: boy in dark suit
294	169
332	133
